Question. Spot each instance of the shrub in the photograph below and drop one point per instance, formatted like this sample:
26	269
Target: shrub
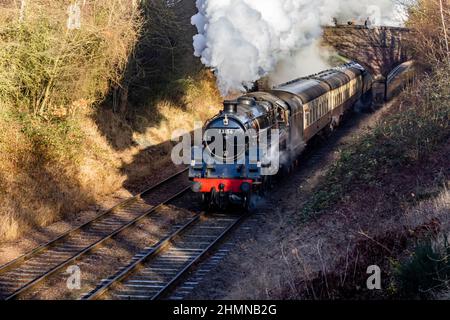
430	22
421	125
427	271
53	160
45	67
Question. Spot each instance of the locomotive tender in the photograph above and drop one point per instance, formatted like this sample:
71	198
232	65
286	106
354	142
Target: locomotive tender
299	110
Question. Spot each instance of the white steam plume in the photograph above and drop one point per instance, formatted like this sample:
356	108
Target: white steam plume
244	40
306	61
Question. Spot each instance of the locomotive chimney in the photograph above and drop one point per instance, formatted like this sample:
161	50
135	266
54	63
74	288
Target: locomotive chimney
230	106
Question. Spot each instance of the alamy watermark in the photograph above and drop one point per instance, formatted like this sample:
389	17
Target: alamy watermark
228	146
374	281
74	19
74	280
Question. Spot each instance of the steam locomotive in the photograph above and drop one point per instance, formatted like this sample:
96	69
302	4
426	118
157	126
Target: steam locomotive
298	110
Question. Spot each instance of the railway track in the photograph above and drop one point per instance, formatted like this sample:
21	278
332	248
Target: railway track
156	273
26	272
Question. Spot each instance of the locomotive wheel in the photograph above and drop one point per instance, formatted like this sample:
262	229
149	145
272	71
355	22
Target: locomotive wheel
206	201
205	198
212	199
220	201
209	200
266	185
286	170
263	187
248	204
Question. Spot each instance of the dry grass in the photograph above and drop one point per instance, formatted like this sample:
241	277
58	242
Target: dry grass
45	67
437	209
327	258
55	159
200	100
424	272
430	21
40	183
143	143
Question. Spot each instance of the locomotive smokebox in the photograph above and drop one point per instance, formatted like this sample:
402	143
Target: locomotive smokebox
230	106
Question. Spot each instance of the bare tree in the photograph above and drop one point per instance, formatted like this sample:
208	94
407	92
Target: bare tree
428	20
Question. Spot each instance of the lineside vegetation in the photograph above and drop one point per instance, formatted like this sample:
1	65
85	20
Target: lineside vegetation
80	100
417	128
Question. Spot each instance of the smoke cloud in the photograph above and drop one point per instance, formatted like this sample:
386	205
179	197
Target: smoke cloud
244	40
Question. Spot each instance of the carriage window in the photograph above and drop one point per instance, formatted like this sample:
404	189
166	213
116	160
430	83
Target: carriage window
316	110
319	103
281	117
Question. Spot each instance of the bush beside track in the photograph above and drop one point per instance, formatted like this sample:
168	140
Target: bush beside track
69	135
401	170
418	125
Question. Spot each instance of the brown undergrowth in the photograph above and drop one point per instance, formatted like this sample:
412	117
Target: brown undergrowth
396	179
390	187
63	144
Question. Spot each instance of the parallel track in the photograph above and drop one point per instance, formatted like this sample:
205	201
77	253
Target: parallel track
155	274
29	270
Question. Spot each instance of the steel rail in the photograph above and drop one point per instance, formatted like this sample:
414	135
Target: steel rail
134	268
172	283
97	293
17	262
47	274
8	266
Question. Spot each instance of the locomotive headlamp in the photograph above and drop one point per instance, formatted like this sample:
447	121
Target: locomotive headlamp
221	187
192	163
196	187
245	187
